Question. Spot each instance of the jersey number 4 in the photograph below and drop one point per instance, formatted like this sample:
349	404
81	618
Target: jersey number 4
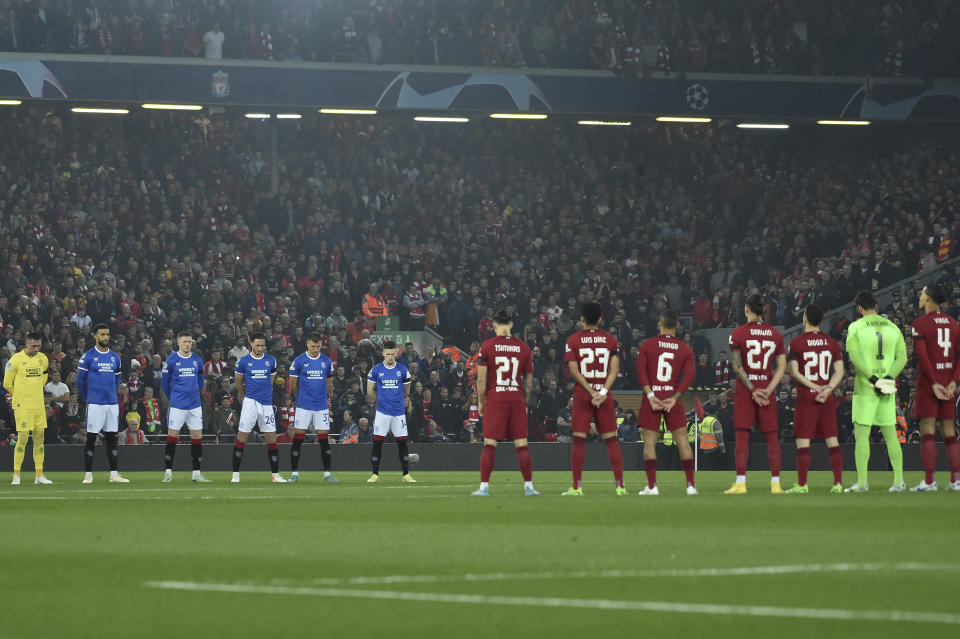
943	341
507	368
757	349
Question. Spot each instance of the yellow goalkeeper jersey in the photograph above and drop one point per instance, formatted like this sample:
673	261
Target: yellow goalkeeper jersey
25	378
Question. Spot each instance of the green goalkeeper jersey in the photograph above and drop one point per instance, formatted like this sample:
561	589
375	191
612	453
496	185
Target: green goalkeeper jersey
876	347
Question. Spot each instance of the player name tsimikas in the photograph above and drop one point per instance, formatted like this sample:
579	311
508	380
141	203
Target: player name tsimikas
509	348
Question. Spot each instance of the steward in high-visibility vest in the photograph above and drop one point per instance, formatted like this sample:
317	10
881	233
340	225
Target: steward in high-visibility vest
666	435
373	306
901	427
711	435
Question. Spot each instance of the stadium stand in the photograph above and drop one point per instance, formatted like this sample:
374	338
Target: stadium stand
844	37
156	222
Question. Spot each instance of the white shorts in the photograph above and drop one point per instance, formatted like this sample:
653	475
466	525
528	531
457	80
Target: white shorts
383	424
103	417
320	419
253	413
193	418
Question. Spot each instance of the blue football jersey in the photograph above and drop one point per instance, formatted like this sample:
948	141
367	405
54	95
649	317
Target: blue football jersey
256	375
312	375
390	383
98	377
182	380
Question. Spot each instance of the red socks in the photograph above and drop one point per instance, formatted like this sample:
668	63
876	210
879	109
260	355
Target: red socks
742	453
576	460
928	453
525	463
486	462
836	463
616	460
953	456
803	465
688	470
651	467
773	453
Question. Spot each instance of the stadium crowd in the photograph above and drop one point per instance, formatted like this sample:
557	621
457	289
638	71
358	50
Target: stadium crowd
843	37
154	223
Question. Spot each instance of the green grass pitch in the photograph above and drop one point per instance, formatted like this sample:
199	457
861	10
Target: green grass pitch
390	560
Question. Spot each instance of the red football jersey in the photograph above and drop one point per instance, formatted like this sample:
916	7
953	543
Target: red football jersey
815	354
936	336
508	360
592	349
759	344
665	364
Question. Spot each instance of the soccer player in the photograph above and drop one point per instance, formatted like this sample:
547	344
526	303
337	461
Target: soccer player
311	383
936	335
24	377
98	378
755	347
182	381
593	357
665	369
502	400
389	382
254	376
816	415
878	353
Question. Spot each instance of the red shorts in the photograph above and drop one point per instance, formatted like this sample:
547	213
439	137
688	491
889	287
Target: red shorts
505	420
928	405
649	419
815	421
747	412
583	412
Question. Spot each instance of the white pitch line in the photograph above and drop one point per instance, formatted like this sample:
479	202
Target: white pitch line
559	602
742	571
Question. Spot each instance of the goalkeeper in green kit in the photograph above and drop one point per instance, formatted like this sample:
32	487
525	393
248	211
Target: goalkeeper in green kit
877	351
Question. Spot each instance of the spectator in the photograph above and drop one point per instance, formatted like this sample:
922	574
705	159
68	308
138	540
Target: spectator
58	391
213	42
225	420
133	436
628	431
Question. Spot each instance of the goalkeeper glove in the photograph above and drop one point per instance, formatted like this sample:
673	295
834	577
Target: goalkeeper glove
885	386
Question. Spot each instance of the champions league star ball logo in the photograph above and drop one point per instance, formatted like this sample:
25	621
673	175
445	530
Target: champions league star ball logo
410	90
697	97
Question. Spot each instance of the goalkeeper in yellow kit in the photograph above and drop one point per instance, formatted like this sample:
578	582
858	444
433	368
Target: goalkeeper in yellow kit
24	378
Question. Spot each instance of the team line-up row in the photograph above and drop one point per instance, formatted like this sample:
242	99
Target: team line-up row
665	368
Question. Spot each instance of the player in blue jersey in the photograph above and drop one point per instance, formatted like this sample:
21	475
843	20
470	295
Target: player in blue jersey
255	373
98	378
389	381
311	382
182	381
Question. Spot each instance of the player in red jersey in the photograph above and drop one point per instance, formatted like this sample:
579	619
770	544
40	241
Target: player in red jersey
502	400
935	336
816	364
756	347
593	357
665	369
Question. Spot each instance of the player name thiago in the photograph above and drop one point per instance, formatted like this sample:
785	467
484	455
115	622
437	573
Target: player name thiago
671	345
